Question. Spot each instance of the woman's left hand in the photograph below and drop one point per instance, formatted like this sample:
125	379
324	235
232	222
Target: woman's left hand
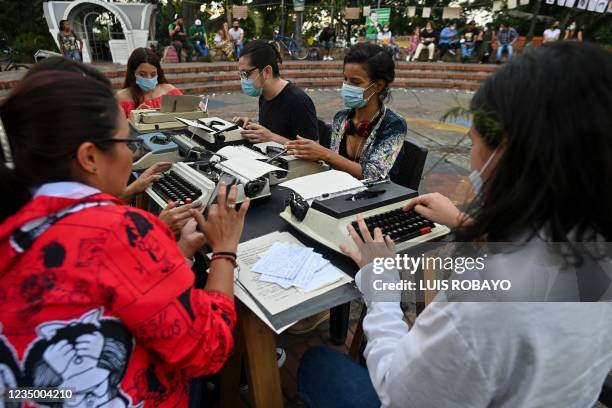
191	239
306	149
149	176
368	247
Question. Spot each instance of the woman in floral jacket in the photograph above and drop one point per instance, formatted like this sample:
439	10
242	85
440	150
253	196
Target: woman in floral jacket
367	137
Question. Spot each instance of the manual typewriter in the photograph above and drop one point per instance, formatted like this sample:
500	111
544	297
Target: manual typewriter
326	219
295	167
164	118
156	147
213	131
181	184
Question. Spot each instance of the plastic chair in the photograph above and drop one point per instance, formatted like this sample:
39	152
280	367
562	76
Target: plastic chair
408	167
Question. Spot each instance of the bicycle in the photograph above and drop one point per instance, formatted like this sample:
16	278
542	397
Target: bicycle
7	62
295	48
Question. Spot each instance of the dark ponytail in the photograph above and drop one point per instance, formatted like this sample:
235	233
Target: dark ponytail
46	119
261	54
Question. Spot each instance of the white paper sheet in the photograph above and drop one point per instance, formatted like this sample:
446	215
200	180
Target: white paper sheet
248	169
270	295
426	12
240	152
327	182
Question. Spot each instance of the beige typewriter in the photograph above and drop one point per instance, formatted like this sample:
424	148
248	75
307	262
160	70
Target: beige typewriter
214	131
325	219
164	118
181	184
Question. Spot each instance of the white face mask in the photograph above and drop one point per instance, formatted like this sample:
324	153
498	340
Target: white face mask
476	176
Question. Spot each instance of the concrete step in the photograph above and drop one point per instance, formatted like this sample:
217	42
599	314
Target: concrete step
232	86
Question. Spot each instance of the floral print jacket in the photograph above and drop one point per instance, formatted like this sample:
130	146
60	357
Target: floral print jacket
382	146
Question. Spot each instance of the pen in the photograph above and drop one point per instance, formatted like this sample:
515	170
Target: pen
283	151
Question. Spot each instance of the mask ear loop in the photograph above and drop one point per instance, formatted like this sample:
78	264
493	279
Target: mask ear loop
6	148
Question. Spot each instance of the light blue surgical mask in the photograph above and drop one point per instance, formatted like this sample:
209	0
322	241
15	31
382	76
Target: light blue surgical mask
476	176
248	87
146	84
352	95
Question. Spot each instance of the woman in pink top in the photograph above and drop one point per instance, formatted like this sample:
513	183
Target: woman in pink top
415	39
145	82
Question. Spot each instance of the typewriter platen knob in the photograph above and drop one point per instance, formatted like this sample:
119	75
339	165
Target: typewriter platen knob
254	187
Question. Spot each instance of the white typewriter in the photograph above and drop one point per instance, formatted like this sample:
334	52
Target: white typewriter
181	184
326	219
156	147
213	130
164	118
295	167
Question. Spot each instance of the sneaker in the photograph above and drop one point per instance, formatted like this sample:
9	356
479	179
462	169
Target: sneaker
407	59
309	324
281	356
330	58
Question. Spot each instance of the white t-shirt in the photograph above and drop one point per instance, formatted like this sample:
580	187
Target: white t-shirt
551	35
488	354
236	34
383	37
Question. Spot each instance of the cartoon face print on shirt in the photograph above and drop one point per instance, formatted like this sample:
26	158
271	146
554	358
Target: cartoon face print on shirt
88	355
10	375
137	228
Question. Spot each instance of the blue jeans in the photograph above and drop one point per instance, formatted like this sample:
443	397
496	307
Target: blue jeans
200	49
501	49
238	49
328	379
74	55
467	50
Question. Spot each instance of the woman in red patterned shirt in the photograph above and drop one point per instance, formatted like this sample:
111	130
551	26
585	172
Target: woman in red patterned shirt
97	296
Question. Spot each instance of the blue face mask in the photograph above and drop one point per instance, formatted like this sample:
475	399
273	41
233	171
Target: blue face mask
352	96
248	87
146	84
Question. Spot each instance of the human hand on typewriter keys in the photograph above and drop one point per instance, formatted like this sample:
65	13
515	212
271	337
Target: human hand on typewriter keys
150	175
223	225
176	217
437	208
241	121
256	133
306	149
369	247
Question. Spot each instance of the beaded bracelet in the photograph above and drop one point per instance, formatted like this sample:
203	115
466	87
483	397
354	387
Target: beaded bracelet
230	258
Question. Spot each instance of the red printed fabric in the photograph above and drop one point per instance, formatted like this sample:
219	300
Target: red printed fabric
103	302
129	106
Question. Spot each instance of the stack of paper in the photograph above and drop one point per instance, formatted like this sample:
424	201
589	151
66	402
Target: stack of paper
289	265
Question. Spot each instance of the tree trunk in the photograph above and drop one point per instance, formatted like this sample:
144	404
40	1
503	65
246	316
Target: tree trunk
534	20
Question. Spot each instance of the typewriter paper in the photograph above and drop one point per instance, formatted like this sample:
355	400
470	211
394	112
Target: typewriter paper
270	295
327	182
248	169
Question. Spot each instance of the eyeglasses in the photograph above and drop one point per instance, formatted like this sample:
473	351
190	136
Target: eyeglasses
133	143
246	73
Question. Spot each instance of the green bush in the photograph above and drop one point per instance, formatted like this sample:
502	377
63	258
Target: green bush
26	44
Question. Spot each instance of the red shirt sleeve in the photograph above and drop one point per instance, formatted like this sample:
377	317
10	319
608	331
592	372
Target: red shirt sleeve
153	294
127	106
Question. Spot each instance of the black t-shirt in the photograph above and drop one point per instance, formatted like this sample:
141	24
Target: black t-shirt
327	34
427	37
289	114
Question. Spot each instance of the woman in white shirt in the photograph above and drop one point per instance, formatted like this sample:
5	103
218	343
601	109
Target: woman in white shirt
552	33
543	190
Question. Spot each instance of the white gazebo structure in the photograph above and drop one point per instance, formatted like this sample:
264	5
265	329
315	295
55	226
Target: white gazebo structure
110	30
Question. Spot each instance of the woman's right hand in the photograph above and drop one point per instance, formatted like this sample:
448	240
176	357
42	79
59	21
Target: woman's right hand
224	224
241	121
437	208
